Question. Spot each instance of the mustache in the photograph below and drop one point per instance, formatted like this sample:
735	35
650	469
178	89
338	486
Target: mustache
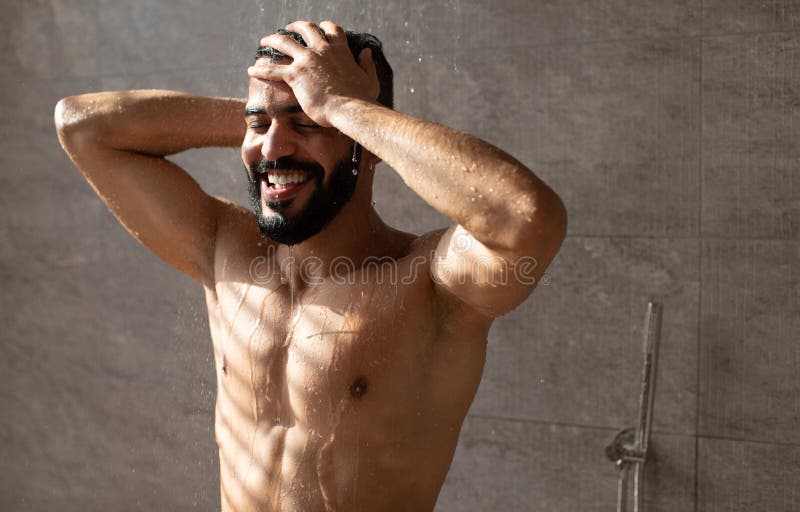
287	164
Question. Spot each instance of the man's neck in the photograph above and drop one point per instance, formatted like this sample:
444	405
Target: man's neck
355	234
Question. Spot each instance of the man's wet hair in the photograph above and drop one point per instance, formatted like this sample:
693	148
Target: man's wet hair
357	41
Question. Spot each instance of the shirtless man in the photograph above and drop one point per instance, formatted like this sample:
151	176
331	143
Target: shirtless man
347	352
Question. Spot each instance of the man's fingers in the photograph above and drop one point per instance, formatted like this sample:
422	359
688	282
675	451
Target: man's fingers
312	34
368	65
268	71
366	62
283	44
334	32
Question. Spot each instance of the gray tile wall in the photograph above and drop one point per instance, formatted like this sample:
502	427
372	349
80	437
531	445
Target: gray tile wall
670	129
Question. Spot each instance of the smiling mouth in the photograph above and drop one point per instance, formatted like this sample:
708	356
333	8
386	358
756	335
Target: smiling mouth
286	179
280	188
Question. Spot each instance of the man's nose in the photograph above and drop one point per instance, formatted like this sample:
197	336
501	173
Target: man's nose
277	142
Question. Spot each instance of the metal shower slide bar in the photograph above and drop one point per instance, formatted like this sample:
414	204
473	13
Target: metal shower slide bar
629	447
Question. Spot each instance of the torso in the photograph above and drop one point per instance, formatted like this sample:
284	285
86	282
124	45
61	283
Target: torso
337	395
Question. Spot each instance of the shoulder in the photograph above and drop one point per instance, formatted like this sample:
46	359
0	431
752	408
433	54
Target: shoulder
448	307
231	215
420	247
239	242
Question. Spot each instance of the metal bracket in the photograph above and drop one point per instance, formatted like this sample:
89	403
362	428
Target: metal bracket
629	447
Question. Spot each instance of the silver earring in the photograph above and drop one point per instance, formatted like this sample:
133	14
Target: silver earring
355	158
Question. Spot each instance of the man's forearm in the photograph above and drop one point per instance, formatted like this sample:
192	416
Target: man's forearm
471	182
154	122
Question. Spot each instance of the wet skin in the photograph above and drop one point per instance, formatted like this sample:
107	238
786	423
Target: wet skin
338	396
333	395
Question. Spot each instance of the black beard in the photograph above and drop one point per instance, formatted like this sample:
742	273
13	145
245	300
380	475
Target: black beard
323	205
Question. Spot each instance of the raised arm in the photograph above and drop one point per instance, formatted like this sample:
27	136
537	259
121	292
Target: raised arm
508	224
119	141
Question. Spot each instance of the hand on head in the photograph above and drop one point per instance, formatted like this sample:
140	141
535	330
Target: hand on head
321	74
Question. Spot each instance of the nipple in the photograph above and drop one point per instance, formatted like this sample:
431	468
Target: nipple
359	387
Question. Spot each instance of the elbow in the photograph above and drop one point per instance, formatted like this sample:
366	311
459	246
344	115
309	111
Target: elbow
75	114
545	230
70	115
64	115
558	217
67	124
75	122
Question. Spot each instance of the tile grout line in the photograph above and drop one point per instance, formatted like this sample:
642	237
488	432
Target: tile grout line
682	237
445	50
585	426
698	349
787	444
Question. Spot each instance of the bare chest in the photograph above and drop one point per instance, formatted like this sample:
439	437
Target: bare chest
292	359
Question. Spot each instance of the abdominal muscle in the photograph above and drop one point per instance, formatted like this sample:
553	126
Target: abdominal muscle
268	467
275	453
326	407
270	452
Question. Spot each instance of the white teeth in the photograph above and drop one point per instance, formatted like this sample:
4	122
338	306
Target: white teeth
284	178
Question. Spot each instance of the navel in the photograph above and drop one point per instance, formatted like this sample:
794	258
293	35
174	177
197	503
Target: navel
359	387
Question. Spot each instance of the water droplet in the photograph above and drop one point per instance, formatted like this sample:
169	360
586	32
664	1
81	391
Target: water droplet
472	199
355	171
491	189
420	59
412	90
472	189
373	203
